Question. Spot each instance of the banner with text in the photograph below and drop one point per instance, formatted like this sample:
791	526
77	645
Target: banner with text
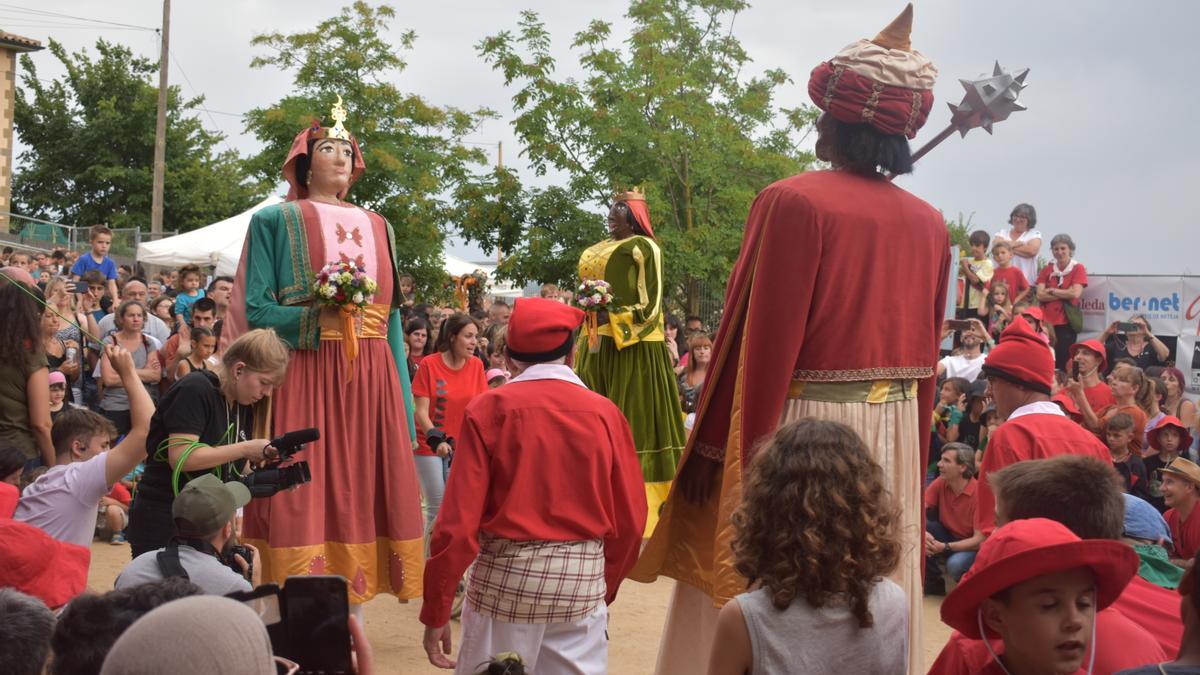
1171	305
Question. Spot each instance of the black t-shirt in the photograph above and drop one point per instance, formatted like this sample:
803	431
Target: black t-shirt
194	405
1116	348
1133	473
968	431
1153	463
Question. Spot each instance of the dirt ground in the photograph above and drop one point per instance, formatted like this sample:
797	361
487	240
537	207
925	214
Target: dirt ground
395	632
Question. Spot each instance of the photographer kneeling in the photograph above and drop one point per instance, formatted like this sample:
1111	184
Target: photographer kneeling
202	426
203	552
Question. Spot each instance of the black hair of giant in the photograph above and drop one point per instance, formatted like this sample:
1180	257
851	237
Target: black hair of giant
864	149
623	207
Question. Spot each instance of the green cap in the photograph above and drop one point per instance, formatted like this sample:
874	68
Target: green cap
207	504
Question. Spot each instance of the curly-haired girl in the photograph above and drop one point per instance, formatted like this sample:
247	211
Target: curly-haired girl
816	533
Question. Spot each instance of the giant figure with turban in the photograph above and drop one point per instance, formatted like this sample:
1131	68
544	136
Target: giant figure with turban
825	255
360	517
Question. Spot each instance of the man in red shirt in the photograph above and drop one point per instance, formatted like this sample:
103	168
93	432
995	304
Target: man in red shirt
950	517
1019	372
1180	490
1090	358
1142	626
546	499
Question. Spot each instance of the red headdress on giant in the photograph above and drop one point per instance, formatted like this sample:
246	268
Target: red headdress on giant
303	145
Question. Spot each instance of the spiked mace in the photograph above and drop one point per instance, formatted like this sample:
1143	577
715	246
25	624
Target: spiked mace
988	100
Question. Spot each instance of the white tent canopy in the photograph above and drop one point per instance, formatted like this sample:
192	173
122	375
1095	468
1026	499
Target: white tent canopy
220	245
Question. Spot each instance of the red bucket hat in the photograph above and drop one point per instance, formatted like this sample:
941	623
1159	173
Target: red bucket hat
1185	440
1026	549
1092	346
1021	357
541	330
37	564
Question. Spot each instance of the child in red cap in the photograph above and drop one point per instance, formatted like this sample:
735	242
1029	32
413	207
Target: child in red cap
1169	438
1038	587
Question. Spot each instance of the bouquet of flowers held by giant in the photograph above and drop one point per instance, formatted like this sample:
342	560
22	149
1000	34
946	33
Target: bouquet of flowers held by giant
594	296
346	286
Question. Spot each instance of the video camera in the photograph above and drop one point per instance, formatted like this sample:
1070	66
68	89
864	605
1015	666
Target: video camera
266	480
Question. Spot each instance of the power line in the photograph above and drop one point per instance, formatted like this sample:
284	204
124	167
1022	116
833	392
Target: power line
62	26
224	136
48	14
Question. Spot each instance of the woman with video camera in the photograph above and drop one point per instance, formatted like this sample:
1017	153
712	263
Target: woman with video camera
1134	339
204	424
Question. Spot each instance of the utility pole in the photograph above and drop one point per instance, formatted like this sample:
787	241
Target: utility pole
499	164
160	129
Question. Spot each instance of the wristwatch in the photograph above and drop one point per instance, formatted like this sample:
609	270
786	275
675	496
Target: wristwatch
946	548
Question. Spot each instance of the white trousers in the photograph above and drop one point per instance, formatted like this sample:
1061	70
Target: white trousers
572	648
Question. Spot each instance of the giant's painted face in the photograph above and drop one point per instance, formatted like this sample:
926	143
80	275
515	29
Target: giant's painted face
331	163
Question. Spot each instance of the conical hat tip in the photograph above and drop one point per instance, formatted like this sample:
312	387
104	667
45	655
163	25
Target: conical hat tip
897	33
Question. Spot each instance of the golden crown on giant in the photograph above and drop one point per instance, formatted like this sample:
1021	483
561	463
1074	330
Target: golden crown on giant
634	194
338	131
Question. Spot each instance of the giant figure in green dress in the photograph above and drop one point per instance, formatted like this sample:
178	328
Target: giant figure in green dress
631	365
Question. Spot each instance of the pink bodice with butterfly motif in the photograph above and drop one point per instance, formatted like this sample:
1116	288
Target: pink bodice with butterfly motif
350	234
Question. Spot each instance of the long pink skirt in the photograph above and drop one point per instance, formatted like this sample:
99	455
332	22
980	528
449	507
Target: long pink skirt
360	517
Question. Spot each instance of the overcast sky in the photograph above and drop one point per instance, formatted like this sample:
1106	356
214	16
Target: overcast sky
1106	151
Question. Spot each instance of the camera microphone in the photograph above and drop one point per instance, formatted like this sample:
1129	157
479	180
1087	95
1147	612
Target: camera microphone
288	443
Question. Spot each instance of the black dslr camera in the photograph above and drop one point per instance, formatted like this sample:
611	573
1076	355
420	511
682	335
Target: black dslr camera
231	562
266	480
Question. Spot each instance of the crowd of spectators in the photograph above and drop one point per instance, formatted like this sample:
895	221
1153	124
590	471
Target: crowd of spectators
87	347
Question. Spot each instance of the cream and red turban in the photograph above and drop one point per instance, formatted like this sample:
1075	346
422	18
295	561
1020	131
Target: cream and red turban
882	82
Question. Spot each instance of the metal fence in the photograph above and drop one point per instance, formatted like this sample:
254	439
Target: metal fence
44	234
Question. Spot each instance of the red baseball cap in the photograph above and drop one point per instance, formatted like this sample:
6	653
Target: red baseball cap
1064	400
1185	440
541	330
1030	548
1035	312
37	564
1091	346
1021	357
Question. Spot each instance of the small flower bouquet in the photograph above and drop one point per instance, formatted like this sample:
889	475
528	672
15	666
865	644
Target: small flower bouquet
594	296
343	284
346	286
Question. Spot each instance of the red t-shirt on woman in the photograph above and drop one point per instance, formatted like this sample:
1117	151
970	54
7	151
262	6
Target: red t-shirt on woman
1054	312
449	391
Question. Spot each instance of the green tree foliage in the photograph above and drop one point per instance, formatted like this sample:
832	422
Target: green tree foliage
90	147
666	108
413	150
960	231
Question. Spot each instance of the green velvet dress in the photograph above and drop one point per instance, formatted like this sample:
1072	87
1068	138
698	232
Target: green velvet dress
631	366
